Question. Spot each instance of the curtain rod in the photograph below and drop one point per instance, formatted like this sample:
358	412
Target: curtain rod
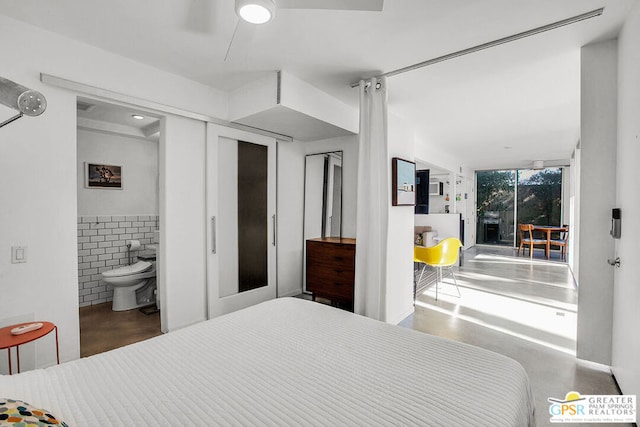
494	43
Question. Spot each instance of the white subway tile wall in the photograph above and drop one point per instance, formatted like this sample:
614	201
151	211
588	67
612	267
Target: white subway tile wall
102	247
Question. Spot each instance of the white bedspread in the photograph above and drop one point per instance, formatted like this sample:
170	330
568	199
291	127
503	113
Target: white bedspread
285	362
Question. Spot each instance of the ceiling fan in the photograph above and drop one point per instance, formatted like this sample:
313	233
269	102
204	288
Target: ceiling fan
256	12
262	11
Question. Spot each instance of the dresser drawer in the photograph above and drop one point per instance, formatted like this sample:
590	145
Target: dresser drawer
330	281
331	269
334	291
331	254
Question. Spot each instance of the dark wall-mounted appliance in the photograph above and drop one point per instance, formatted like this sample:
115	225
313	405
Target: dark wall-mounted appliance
422	191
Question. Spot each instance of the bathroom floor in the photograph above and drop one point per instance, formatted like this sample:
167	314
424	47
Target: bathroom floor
103	329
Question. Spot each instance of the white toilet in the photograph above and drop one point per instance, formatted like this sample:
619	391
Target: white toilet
133	285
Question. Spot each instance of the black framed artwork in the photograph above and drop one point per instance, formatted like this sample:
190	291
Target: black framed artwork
403	184
103	176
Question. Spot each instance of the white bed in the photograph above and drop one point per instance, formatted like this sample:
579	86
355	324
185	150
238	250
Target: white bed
284	362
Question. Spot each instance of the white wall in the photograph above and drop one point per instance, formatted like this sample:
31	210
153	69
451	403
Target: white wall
182	222
307	99
401	218
468	209
63	57
597	198
431	153
291	157
38	210
139	161
400	232
290	217
447	225
38	197
573	257
626	316
349	147
437	202
225	164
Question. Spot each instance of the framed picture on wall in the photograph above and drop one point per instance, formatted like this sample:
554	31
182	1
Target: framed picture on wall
98	175
403	175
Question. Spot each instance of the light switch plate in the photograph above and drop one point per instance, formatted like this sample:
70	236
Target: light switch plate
18	254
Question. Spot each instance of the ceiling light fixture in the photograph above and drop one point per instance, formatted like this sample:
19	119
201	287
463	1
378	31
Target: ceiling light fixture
256	11
137	116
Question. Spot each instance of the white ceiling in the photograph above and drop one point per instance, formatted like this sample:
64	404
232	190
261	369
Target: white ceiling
524	95
110	118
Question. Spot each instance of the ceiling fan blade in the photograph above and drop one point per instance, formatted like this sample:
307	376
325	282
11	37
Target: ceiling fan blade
199	17
365	5
240	42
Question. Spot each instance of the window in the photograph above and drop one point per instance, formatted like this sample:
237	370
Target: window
531	196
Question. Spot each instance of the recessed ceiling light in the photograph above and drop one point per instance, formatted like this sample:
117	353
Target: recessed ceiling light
137	116
256	11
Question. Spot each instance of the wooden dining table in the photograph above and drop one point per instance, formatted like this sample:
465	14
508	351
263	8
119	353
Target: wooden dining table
548	229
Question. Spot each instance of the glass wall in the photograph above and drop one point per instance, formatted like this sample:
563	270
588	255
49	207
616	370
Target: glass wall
496	203
531	196
540	196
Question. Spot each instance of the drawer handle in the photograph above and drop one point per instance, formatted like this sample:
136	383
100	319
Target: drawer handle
338	284
339	271
274	230
338	258
213	234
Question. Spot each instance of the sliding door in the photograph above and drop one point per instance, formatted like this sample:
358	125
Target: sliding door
496	207
506	198
241	195
540	196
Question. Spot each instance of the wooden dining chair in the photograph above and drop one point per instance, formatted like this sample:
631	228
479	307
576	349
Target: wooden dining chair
526	238
562	241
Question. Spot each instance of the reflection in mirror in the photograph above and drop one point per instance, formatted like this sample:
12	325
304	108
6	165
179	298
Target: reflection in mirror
323	195
322	198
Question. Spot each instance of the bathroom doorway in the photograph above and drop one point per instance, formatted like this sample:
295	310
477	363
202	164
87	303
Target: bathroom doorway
118	224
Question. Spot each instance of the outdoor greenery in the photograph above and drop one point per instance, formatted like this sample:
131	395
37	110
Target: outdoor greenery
539	200
495	191
540	197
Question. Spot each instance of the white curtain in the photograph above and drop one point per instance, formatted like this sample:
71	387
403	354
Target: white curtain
373	201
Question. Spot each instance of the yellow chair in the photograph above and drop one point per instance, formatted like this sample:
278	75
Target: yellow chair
444	254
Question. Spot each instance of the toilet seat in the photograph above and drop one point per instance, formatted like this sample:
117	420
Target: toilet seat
127	270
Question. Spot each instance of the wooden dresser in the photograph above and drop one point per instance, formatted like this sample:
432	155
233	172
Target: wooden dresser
331	269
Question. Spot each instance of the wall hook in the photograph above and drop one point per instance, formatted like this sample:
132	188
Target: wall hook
615	262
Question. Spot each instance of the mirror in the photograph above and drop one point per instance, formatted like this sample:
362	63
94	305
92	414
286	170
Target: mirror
243	243
323	195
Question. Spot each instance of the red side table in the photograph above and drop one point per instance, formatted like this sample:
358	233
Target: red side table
8	340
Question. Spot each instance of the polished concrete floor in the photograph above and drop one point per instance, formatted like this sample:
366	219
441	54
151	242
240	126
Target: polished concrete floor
102	329
523	309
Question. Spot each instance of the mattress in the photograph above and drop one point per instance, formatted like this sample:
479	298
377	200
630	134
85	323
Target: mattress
284	362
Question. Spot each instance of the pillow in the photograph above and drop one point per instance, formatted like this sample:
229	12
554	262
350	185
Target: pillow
18	413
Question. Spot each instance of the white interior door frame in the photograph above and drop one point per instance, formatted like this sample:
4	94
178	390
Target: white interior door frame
217	304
